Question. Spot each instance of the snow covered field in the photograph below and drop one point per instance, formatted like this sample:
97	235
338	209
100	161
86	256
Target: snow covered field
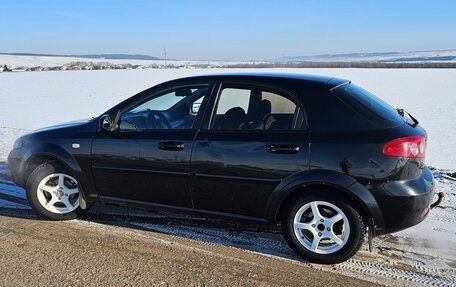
424	254
36	99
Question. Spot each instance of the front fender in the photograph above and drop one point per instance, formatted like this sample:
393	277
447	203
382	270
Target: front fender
54	151
58	153
333	179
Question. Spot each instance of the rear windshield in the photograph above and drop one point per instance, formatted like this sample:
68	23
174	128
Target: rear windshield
367	104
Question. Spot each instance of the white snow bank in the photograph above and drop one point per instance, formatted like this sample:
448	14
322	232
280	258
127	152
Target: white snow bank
7	137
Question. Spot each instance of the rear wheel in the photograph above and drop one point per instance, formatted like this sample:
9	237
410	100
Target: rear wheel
53	192
323	227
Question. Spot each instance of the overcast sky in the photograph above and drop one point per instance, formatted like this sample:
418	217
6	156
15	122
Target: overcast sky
226	30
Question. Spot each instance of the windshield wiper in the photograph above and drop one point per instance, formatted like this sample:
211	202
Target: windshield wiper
402	113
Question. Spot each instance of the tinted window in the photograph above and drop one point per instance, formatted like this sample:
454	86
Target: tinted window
279	104
254	109
233	98
174	109
161	103
367	104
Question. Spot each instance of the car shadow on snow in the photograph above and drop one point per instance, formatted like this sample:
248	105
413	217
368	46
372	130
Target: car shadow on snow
244	235
252	237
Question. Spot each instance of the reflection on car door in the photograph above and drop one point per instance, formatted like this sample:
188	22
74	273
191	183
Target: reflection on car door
113	156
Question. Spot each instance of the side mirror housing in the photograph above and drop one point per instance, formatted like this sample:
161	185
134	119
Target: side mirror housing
106	123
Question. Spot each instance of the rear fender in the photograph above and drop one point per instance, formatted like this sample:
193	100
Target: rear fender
337	180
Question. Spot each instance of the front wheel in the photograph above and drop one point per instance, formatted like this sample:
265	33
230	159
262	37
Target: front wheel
323	226
53	193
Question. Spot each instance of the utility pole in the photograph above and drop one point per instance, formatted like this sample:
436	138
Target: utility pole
164	53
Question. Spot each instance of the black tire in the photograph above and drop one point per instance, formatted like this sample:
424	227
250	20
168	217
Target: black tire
348	207
31	187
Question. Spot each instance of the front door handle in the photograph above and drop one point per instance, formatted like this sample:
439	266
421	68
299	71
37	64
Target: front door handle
282	148
171	145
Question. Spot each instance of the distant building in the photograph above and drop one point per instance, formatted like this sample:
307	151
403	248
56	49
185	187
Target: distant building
7	69
37	69
76	67
20	69
138	67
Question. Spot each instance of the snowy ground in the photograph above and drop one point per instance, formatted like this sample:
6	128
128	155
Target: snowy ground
423	254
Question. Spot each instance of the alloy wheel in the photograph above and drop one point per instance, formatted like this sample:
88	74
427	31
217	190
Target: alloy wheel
321	227
58	193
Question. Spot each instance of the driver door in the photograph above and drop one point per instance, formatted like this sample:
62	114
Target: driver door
149	160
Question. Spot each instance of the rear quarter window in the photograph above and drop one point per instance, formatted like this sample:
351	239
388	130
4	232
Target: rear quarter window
368	105
327	113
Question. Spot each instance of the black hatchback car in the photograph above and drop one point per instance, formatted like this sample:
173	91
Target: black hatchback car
321	156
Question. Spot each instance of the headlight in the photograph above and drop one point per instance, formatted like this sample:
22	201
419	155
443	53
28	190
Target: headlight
17	144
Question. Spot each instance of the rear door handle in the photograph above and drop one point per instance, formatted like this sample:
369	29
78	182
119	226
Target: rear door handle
282	148
171	145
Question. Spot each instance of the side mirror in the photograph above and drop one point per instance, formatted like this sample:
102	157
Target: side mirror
106	123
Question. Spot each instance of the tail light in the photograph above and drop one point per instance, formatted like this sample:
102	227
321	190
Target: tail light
411	147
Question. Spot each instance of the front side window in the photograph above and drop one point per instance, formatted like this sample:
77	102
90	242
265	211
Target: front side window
173	109
255	109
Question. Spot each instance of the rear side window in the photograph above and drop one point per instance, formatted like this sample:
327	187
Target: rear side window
368	105
279	104
256	109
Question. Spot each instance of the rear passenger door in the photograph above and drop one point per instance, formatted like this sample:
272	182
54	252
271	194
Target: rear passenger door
253	138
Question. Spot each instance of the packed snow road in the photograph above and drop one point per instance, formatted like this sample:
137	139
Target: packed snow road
419	256
79	253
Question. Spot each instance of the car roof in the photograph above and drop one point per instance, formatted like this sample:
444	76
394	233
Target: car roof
314	80
330	82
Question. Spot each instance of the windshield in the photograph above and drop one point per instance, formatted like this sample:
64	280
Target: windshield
370	106
165	101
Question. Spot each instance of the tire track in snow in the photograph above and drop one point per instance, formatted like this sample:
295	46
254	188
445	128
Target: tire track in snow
422	275
249	241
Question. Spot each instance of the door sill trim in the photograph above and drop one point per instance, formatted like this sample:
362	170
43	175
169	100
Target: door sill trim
182	209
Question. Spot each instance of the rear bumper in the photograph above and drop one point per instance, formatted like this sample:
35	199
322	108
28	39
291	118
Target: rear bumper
404	203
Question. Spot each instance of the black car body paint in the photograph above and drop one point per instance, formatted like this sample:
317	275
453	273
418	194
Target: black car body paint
234	173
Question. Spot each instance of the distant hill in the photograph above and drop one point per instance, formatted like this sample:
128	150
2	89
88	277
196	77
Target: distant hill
386	57
92	56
